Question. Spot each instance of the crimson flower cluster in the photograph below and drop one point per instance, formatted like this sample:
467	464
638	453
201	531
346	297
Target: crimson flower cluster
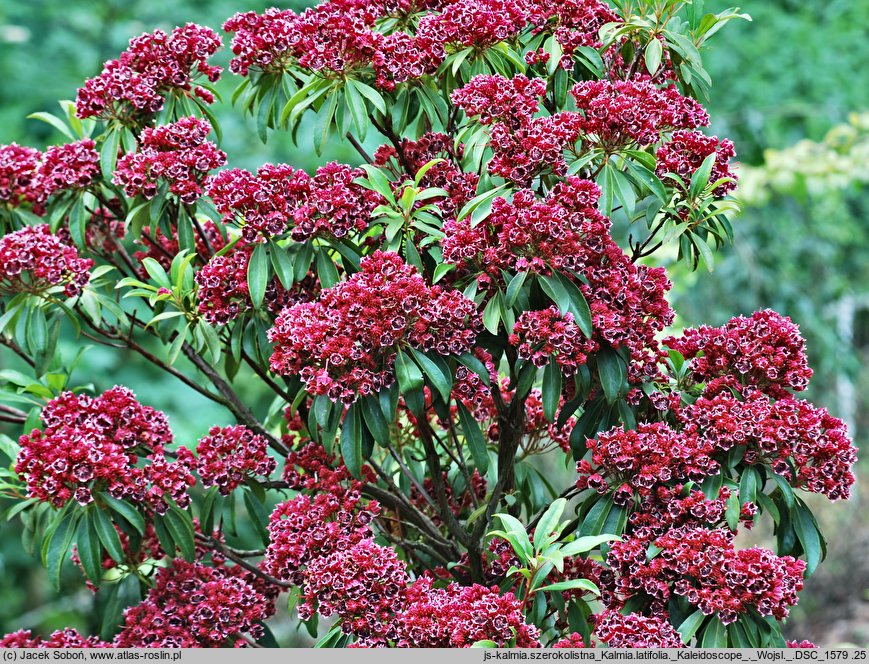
495	99
574	23
33	260
344	343
541	335
93	444
154	65
786	434
223	290
457	616
18	164
177	153
703	566
564	232
637	460
620	113
62	638
196	606
636	631
69	166
764	350
475	23
683	154
230	455
361	584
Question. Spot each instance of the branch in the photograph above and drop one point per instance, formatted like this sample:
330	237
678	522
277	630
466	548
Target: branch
241	562
361	150
11	345
13	415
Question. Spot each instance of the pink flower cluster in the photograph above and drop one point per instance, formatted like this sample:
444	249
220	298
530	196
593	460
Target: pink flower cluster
230	455
621	113
18	164
574	23
154	64
33	260
683	154
177	153
62	638
788	433
261	203
476	23
69	166
93	444
495	99
261	40
764	350
541	335
304	528
458	616
637	460
636	631
362	584
223	290
344	344
703	566
195	606
666	507
565	232
571	641
326	204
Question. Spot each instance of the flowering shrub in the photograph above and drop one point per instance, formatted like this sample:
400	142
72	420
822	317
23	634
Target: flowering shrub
429	320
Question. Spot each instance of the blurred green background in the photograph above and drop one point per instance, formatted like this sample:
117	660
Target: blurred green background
789	89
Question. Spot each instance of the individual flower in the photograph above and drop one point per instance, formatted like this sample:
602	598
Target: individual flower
154	65
230	455
32	260
176	153
344	343
683	154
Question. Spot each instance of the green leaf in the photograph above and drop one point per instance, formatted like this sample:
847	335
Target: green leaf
484	643
515	533
613	374
374	418
514	288
701	176
58	542
593	522
107	534
109	153
126	510
89	549
475	365
282	264
715	635
653	54
351	441
167	543
690	625
408	373
441	270
548	524
437	371
551	389
258	275
180	526
748	485
572	584
327	273
588	542
809	537
731	514
492	314
55	122
358	110
371	95
474	438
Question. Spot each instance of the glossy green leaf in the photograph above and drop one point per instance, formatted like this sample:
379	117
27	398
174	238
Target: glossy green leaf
258	275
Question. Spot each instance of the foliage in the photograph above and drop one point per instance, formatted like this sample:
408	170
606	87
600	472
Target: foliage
429	325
